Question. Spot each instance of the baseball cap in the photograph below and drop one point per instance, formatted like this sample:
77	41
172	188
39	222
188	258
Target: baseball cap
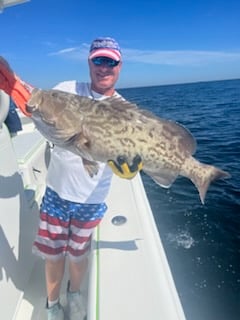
105	47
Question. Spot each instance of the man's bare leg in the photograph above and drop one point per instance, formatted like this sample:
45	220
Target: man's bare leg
54	271
77	272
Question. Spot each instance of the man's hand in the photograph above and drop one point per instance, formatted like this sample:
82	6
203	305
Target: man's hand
122	169
14	86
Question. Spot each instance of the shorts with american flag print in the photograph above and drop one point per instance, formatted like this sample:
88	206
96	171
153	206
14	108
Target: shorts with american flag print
66	227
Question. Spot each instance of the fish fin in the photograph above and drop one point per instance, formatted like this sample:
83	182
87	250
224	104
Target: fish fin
202	183
164	179
121	104
131	110
202	175
91	167
82	144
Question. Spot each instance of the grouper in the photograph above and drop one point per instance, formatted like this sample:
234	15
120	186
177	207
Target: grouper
103	130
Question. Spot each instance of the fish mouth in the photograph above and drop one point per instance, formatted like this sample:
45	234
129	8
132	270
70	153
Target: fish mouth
35	100
31	109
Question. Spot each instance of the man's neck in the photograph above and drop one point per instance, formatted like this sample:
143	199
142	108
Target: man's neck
106	92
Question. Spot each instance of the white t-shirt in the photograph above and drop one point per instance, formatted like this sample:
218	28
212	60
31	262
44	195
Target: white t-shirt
66	173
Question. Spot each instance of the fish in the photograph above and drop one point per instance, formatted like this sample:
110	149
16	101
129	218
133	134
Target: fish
101	130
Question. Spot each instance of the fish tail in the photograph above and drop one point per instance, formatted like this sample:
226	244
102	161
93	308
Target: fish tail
202	178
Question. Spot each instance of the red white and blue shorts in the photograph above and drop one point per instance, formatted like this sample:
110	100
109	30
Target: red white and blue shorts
66	227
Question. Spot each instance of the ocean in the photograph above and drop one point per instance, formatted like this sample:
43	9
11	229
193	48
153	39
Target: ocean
202	242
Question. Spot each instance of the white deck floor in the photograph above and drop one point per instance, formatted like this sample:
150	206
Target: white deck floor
131	275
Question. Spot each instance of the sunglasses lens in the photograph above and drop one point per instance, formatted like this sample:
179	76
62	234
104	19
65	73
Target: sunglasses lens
99	61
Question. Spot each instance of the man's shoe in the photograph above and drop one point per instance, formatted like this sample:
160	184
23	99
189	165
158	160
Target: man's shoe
76	309
55	312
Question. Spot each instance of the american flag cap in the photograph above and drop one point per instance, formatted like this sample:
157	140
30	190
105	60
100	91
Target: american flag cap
105	47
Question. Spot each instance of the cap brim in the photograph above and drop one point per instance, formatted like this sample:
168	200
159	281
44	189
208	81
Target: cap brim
113	54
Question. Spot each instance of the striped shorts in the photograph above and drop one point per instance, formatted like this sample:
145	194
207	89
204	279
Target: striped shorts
66	227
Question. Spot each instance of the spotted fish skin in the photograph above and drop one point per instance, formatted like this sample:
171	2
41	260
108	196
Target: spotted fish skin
103	130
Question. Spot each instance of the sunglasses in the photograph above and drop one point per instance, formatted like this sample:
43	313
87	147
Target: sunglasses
99	61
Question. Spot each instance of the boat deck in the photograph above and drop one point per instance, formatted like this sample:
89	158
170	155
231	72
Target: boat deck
133	280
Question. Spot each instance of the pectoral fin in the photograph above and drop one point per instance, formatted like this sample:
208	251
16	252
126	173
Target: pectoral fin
82	144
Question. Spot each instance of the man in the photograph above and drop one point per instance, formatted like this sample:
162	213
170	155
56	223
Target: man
73	204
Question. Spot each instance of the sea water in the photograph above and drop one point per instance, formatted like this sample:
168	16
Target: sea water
202	242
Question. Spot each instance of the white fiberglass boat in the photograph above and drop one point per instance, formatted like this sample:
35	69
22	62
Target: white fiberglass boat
129	276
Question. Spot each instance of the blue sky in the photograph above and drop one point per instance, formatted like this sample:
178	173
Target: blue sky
163	41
